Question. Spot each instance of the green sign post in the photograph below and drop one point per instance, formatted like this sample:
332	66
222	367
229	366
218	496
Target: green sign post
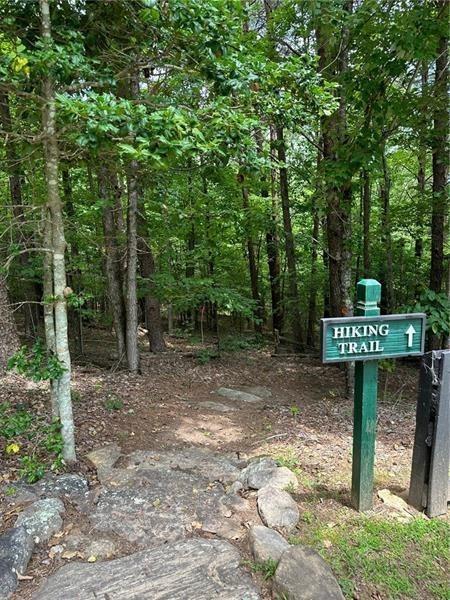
364	339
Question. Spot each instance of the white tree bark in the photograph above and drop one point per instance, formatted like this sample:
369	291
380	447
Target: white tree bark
58	248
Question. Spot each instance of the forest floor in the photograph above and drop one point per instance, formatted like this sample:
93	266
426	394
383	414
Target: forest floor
306	425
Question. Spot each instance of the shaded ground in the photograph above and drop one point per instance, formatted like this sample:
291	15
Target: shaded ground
306	424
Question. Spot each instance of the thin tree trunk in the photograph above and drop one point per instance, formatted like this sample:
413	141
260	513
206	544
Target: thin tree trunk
113	258
9	338
440	154
59	247
294	298
312	306
131	304
251	256
367	207
152	306
387	295
14	171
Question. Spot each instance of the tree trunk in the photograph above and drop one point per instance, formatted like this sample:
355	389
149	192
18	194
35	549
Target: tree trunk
9	339
312	306
58	246
367	207
113	258
131	302
14	171
152	306
294	298
251	256
440	154
387	292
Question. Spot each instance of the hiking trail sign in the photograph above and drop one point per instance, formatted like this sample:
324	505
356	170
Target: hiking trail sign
365	339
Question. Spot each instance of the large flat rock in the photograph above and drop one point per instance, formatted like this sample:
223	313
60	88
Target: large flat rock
163	506
238	395
194	569
200	461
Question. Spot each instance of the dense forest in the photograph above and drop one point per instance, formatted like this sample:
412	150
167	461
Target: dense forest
175	164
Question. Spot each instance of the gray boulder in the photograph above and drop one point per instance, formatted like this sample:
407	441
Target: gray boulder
266	543
303	575
238	395
42	519
16	547
258	472
194	569
277	509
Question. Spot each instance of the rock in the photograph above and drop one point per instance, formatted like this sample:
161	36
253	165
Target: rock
262	473
259	390
42	519
258	472
277	508
217	406
16	547
84	546
405	511
303	575
235	487
266	543
198	461
104	459
69	486
195	569
158	510
238	395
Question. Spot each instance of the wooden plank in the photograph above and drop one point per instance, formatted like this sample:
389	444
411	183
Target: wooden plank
440	453
423	435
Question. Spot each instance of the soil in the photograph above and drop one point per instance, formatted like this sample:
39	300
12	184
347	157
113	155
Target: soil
307	421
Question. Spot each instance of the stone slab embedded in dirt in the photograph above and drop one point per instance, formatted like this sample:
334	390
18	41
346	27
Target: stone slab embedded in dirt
69	485
303	575
104	459
217	406
161	508
195	569
16	547
259	390
277	509
238	395
213	466
266	543
42	519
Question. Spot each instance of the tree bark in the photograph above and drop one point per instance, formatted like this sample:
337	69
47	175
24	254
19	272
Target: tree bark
312	306
113	256
131	302
387	289
9	338
15	177
152	306
58	246
367	207
272	239
251	257
440	154
294	298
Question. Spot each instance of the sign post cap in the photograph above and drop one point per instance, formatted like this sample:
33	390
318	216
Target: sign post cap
368	290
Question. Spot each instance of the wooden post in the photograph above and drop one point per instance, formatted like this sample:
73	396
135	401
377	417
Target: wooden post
368	293
431	455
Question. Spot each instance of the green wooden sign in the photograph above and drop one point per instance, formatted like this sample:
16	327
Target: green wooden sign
366	338
363	338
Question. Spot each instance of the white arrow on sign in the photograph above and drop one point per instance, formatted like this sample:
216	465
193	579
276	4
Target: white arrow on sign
410	333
